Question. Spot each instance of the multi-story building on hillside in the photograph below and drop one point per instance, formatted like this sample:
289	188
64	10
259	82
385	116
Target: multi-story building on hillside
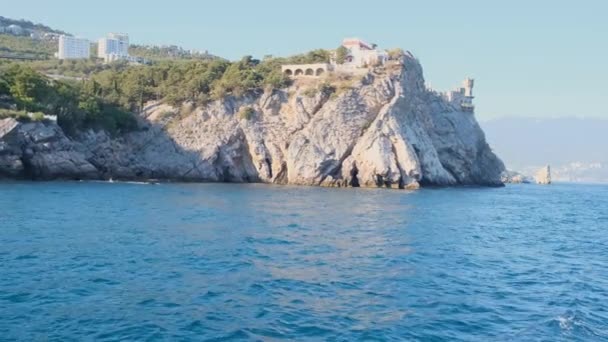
113	47
73	48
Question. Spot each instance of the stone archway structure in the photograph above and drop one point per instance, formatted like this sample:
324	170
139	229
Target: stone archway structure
306	70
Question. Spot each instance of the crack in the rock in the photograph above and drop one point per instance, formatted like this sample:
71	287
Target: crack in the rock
383	111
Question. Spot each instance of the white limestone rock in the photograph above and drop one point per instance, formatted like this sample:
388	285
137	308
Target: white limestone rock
514	177
382	130
543	176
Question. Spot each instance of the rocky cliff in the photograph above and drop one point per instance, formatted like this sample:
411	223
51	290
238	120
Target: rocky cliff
384	129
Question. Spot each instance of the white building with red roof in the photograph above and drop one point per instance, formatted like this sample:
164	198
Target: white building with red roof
359	58
363	54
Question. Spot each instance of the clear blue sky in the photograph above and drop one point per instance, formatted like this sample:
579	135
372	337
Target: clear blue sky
529	58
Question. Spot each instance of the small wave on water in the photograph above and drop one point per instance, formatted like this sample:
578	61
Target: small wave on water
196	262
570	326
112	181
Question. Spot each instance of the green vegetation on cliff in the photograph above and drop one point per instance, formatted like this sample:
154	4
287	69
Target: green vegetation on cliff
75	68
75	104
105	96
158	53
95	95
314	56
341	54
178	81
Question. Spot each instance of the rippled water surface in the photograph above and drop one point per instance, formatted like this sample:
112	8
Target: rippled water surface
96	261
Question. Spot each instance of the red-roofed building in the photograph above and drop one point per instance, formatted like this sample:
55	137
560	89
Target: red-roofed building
356	43
363	54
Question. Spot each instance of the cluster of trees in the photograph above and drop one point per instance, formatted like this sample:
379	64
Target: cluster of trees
199	81
75	104
75	67
312	57
178	81
341	54
167	52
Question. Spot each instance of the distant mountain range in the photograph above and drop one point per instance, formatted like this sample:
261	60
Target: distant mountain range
576	148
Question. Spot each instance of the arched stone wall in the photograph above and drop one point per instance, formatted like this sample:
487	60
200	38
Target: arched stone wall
306	70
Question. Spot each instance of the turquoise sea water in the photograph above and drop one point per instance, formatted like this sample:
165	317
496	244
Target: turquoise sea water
97	261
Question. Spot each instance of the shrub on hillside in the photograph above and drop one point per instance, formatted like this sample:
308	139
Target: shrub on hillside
38	116
341	54
310	92
246	113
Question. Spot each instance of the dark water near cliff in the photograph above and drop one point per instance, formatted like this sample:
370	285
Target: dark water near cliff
83	261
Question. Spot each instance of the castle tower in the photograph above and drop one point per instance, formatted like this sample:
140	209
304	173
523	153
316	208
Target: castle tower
467	102
468	84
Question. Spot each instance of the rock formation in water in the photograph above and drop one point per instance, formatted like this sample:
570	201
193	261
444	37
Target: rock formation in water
543	176
383	130
514	177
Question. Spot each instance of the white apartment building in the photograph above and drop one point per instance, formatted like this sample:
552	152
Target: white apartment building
73	48
114	47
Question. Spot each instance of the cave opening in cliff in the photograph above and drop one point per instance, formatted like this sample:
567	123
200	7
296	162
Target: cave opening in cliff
354	180
401	183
